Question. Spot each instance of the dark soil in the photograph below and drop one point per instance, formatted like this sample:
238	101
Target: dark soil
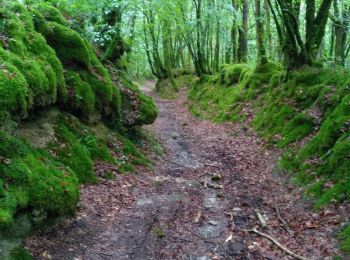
197	203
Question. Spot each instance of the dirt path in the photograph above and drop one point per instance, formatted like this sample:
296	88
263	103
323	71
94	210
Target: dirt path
197	202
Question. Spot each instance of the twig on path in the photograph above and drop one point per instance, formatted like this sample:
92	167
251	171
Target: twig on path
211	165
279	245
212	185
104	255
180	239
198	217
261	219
143	182
283	222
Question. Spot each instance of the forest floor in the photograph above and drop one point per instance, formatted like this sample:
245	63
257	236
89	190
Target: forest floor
197	202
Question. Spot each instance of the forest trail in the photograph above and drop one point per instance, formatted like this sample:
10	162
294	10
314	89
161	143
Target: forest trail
196	203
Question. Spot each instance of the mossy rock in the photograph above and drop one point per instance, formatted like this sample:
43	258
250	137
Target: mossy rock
81	95
75	155
50	13
137	108
33	179
68	44
27	51
13	91
230	74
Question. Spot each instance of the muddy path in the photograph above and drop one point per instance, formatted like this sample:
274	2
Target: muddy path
197	202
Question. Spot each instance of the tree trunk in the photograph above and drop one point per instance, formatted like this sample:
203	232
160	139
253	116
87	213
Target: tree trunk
260	33
243	33
234	31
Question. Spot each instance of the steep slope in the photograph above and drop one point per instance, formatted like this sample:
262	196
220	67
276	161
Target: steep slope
55	95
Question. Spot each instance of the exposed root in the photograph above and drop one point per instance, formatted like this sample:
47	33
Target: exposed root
279	245
283	222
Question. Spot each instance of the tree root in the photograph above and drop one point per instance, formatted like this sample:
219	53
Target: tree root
279	245
283	222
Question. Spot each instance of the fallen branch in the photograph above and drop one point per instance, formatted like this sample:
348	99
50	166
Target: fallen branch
280	246
104	255
213	186
283	222
142	181
212	165
261	219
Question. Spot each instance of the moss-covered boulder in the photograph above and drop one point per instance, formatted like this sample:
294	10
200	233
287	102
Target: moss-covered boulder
137	108
30	178
33	66
44	66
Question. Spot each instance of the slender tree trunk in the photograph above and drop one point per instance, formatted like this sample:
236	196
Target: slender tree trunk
243	33
268	30
234	31
260	33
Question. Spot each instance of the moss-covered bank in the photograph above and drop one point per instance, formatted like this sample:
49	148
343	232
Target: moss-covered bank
308	116
61	112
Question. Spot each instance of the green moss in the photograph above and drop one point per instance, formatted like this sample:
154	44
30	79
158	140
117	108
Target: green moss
135	102
159	232
27	51
80	57
299	127
69	46
312	101
33	179
75	155
6	218
230	74
345	238
13	90
147	109
82	97
50	13
97	145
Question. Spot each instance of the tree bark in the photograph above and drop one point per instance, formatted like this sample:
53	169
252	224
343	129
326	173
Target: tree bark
260	33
